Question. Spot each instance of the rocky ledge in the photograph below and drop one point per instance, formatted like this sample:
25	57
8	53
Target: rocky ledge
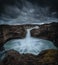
47	57
47	31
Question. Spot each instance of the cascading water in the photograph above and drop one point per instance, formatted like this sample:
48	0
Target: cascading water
29	45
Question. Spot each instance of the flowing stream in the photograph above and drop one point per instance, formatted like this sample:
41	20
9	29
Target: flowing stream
29	44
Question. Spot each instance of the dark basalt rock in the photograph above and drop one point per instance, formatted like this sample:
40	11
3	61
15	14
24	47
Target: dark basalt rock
47	31
47	57
8	32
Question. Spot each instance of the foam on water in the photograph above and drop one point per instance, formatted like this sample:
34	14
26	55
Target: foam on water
29	44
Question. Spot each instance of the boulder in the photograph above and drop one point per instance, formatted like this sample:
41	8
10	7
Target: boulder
47	31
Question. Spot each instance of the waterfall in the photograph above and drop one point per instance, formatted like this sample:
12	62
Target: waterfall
17	12
29	44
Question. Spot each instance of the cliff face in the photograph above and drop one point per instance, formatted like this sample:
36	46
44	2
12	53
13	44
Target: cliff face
47	31
47	57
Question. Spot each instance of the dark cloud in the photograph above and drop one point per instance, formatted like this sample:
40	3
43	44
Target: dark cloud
3	3
53	4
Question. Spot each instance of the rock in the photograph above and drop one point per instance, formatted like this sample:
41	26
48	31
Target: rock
47	31
47	57
8	32
14	58
11	58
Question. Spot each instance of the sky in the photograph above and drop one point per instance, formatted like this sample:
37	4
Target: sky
28	11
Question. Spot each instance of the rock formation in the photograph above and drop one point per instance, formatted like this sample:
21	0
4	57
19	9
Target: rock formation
47	57
47	31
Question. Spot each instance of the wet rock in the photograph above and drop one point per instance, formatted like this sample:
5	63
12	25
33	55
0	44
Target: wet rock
47	57
8	32
47	31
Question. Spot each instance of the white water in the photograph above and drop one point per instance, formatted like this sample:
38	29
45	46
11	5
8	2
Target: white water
29	44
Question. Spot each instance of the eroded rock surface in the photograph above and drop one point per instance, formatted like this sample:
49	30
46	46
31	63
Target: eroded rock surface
47	31
47	57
